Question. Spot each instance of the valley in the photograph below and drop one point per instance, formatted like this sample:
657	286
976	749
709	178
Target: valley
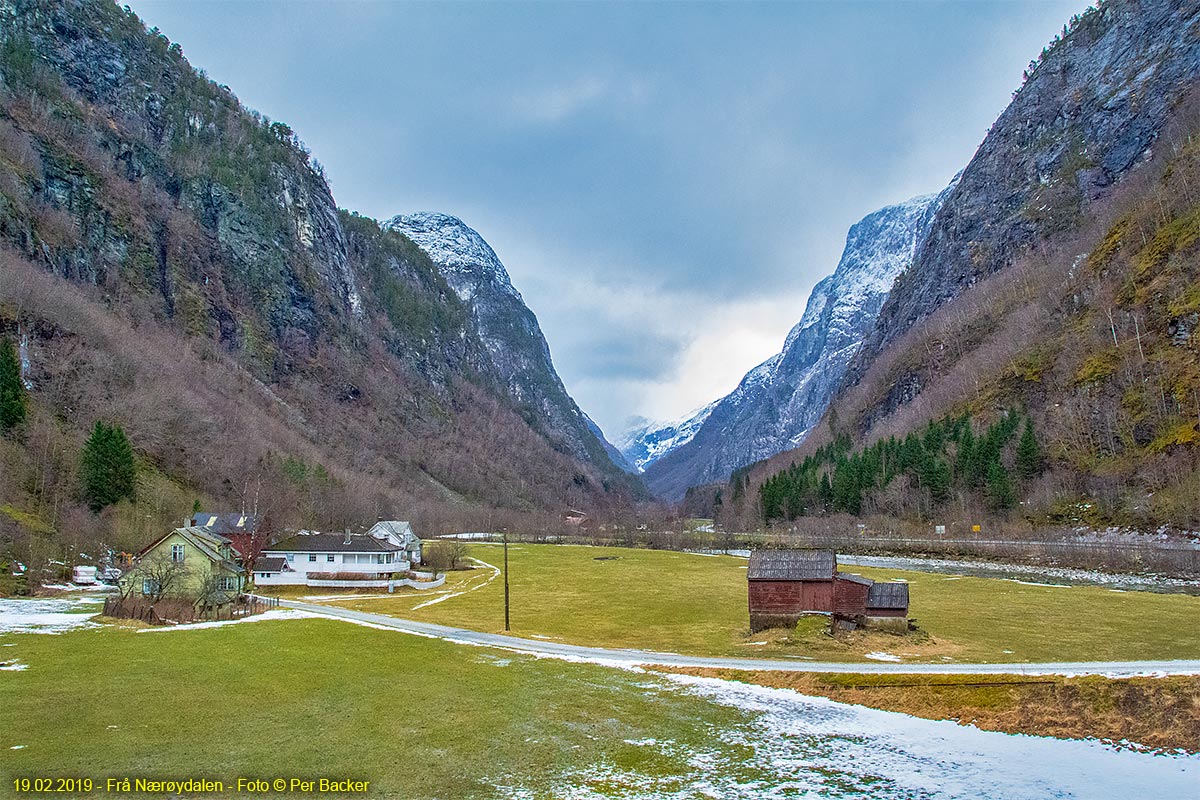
293	492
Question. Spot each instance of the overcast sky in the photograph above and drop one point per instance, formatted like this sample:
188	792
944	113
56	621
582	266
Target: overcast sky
664	181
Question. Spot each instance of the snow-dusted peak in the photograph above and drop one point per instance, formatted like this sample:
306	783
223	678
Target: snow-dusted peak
648	440
463	257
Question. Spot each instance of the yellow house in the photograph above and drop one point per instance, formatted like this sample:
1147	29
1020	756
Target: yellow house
191	563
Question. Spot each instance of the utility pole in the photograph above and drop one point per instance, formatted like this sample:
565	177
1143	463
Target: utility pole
506	580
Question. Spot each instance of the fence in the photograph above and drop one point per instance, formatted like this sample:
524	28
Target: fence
179	611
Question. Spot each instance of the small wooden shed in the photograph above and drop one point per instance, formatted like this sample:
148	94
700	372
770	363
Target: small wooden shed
784	585
850	593
887	606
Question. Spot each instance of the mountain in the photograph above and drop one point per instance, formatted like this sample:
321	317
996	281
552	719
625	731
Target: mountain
777	402
177	265
519	358
1059	281
646	440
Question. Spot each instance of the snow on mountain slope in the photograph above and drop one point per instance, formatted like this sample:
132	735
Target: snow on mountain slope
649	440
519	356
778	401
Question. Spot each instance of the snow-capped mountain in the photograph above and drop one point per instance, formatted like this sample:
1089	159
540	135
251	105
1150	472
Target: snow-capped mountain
519	356
776	404
647	440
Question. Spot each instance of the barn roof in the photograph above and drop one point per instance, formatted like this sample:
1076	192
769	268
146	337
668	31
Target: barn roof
850	576
792	565
888	595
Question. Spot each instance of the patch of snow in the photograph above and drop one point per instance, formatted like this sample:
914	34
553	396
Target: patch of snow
495	574
14	666
46	615
17	747
882	657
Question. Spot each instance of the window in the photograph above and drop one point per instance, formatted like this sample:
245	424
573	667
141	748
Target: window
264	575
177	551
291	557
331	557
379	559
312	556
228	582
149	586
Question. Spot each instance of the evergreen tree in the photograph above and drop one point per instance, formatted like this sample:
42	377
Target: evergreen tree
12	390
1029	455
825	491
107	470
999	487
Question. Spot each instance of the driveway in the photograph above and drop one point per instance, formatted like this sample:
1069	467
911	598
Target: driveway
603	655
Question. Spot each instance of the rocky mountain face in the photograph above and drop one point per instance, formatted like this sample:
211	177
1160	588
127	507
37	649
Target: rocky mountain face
168	212
1090	110
646	441
779	401
1059	278
518	356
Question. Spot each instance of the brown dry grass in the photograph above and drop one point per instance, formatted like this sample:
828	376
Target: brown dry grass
1160	713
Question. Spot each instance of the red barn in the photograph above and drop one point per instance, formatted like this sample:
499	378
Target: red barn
850	595
784	585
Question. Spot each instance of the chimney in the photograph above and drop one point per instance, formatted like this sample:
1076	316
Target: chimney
347	536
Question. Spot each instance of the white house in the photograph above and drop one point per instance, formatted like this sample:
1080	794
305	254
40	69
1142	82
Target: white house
331	559
401	534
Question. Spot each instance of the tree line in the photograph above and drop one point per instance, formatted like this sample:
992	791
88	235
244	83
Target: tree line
947	456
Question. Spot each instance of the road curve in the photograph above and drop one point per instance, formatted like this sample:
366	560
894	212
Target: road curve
603	655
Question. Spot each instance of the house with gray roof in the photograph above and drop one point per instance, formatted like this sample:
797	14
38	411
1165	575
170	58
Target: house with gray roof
331	559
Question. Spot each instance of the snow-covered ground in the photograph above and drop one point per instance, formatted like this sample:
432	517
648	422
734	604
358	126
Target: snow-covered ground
793	746
47	615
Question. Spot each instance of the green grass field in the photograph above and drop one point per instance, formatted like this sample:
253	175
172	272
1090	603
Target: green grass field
312	698
678	602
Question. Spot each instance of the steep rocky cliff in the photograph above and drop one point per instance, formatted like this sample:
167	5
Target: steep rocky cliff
646	440
519	358
1091	109
1058	283
169	212
776	404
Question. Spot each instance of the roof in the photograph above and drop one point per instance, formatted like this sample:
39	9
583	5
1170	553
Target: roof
225	523
398	528
859	579
792	565
208	543
332	543
273	564
888	595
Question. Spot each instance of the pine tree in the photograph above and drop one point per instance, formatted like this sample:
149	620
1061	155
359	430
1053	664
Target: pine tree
1029	455
999	487
12	389
107	470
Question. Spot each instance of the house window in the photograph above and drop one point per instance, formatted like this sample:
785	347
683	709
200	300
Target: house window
379	559
264	575
312	556
177	551
228	582
149	586
291	557
330	557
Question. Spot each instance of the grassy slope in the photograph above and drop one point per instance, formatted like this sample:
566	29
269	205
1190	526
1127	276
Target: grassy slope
313	698
662	600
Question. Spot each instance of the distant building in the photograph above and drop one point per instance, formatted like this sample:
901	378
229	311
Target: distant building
785	585
401	534
317	559
239	529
